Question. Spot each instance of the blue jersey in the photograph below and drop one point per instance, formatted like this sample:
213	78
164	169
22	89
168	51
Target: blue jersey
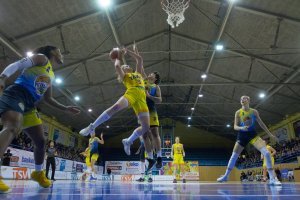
152	92
247	118
94	145
36	80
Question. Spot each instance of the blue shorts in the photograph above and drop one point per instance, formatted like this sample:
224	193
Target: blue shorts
16	98
243	138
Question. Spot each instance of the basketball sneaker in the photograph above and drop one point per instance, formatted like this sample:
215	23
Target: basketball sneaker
183	180
174	181
140	179
150	165
222	178
126	146
150	180
92	178
40	177
274	181
3	187
158	163
87	131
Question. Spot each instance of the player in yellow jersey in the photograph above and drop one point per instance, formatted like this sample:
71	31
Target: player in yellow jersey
17	104
94	153
134	97
88	171
244	123
272	152
178	154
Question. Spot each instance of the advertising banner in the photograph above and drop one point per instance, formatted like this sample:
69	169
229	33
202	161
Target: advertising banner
191	169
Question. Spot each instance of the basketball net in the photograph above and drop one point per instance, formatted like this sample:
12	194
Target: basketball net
175	10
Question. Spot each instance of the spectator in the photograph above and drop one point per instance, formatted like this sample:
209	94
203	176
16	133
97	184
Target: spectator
6	158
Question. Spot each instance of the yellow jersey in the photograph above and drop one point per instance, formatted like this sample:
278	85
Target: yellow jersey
133	80
178	149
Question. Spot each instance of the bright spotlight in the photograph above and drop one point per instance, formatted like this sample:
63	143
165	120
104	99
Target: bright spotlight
193	108
104	3
29	53
58	80
219	47
262	95
228	125
204	76
189	125
189	118
107	126
77	98
90	110
200	95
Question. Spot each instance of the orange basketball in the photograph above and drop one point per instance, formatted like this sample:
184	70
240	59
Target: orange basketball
115	53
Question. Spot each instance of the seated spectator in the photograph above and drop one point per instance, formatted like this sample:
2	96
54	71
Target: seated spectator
6	158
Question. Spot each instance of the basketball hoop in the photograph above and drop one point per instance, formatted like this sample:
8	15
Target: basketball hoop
175	10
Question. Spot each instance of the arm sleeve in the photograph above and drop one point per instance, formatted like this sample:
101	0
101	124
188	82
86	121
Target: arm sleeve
19	65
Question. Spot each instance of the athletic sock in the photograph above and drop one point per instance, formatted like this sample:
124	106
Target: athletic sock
231	163
136	134
158	153
101	119
150	155
268	158
39	167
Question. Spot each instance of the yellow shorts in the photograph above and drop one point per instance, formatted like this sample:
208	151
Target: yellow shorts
178	159
31	118
265	162
154	119
137	99
88	161
95	157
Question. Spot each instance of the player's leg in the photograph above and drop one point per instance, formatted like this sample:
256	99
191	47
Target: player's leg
149	150
12	126
264	179
260	145
175	165
145	125
94	159
156	142
47	167
36	134
182	171
106	115
53	168
237	150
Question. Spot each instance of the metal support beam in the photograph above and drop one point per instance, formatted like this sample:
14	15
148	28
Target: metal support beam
221	31
67	22
260	12
236	52
105	54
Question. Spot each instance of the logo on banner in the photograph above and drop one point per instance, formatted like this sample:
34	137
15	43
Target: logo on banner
127	178
20	173
132	164
62	165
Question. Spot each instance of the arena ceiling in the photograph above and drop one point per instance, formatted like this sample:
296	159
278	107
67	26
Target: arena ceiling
261	42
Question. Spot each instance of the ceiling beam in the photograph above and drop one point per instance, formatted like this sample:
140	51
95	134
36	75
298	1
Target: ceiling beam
236	52
240	7
105	54
66	22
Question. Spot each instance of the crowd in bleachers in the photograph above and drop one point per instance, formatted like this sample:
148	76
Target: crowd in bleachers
22	141
285	152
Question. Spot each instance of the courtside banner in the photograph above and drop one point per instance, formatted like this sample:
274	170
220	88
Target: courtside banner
123	167
191	169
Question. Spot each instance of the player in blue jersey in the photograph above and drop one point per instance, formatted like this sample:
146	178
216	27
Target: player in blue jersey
17	104
94	153
244	123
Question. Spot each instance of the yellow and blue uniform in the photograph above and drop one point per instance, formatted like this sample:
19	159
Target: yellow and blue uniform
247	118
151	104
88	159
28	89
135	93
265	160
94	148
178	154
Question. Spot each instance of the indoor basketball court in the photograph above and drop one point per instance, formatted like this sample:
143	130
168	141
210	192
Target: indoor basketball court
150	99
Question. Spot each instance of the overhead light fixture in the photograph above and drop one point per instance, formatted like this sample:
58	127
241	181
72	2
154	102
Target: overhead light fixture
189	118
90	110
193	108
200	95
262	95
228	126
104	3
189	125
77	98
219	47
203	76
107	126
29	53
58	81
